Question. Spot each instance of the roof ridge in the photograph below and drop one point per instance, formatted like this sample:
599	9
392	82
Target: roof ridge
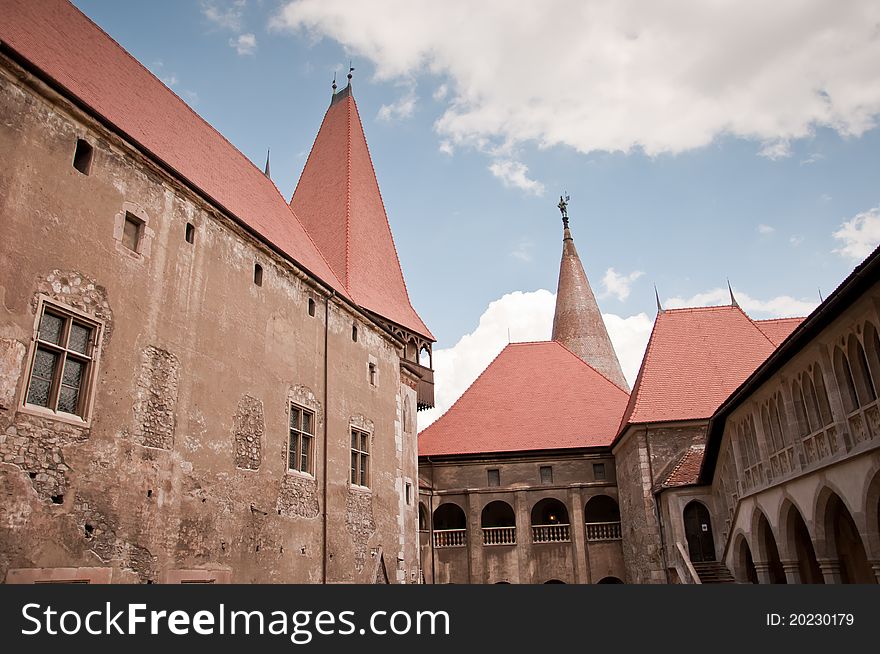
603	376
201	119
382	202
755	325
634	395
709	307
470	386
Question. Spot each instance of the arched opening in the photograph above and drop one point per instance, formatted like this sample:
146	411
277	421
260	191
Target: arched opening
771	551
745	565
499	524
872	350
844	375
502	583
410	353
800	542
423	517
609	580
425	357
554	581
698	531
450	526
602	518
866	392
841	528
550	522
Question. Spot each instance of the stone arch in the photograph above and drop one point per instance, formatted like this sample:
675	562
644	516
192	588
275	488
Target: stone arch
697	521
554	581
843	540
766	547
423	517
866	391
610	580
449	515
744	565
426	358
824	494
498	514
549	511
798	543
601	508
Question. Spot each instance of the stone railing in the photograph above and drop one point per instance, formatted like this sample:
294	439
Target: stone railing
450	538
820	444
783	462
551	533
864	423
603	531
686	572
499	535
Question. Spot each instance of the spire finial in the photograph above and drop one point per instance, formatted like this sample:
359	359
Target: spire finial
333	86
350	71
266	171
821	299
563	208
657	296
733	302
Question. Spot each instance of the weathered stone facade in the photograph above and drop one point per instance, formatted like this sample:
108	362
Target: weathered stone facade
154	409
248	433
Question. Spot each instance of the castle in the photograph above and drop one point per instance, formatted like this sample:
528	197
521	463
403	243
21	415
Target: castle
278	441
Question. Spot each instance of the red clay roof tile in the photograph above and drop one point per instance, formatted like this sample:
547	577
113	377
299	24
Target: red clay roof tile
687	470
533	396
778	329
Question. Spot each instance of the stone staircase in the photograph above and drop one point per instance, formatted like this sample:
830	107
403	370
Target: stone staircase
713	572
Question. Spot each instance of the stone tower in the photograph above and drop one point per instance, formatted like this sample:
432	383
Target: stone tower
577	323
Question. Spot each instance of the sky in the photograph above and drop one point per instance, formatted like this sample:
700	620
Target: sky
699	143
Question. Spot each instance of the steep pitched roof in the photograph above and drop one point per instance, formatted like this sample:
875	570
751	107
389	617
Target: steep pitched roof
339	203
577	321
695	358
778	329
687	470
67	47
533	396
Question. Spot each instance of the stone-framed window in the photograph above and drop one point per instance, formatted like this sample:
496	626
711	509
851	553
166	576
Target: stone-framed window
301	439
360	458
63	362
493	477
599	471
546	473
132	231
82	156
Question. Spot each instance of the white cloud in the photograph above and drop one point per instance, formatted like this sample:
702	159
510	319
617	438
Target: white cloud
529	317
774	150
402	108
775	307
523	251
244	44
513	174
617	285
796	240
441	92
169	80
446	148
859	235
766	229
813	158
224	15
664	76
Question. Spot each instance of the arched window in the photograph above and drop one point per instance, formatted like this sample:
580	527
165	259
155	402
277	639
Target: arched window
423	517
425	357
844	375
866	392
872	350
602	517
822	404
499	524
805	426
450	526
550	522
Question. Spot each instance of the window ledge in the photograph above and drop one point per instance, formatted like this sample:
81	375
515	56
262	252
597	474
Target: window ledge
366	490
299	473
60	416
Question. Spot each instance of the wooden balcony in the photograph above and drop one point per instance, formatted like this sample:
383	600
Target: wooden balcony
425	388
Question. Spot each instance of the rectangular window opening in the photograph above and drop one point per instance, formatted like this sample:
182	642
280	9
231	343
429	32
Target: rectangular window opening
360	455
354	333
311	307
190	233
62	367
408	494
494	476
301	436
546	474
258	274
599	471
372	368
82	156
131	232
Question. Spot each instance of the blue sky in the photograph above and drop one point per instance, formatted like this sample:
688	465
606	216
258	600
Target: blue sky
696	146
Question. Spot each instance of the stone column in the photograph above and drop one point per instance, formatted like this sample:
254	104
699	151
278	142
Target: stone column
474	539
792	572
523	537
763	571
831	571
578	538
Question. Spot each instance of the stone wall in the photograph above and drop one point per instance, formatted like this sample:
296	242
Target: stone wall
248	433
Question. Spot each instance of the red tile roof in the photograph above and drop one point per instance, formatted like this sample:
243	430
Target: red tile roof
778	329
694	360
56	38
687	470
339	203
533	396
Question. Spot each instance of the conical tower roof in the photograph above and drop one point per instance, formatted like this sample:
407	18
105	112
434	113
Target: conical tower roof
339	203
577	323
